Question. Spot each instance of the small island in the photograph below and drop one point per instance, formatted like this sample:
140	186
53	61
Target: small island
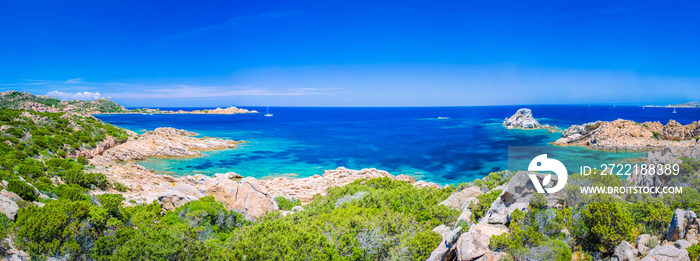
523	119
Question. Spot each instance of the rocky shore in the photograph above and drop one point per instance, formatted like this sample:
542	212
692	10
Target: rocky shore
305	188
249	196
629	135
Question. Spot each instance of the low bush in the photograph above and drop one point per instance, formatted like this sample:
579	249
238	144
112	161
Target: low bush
608	224
60	227
694	252
22	189
484	203
287	204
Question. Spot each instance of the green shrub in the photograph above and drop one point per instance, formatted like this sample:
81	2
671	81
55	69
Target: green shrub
59	227
82	160
538	201
651	215
6	225
608	224
287	204
119	187
493	180
464	225
22	189
112	203
206	213
694	252
484	203
423	243
71	192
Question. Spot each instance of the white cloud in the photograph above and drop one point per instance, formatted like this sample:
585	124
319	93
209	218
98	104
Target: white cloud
186	91
75	80
86	96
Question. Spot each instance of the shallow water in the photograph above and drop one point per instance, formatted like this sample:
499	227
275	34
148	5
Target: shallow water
303	141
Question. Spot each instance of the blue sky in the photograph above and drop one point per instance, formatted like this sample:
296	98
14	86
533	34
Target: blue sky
353	53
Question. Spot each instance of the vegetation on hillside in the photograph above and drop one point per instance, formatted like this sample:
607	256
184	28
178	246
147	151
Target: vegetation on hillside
36	147
27	101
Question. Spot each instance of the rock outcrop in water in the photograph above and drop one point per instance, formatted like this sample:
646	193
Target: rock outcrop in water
629	135
522	119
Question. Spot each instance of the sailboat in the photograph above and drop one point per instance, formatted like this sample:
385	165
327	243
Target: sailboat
267	112
674	110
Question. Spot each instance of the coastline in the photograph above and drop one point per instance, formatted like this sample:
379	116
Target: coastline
119	164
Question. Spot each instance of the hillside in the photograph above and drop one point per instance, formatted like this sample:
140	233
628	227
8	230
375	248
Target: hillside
42	103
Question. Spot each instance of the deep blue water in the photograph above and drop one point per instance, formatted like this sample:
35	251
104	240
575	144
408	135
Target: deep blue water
303	141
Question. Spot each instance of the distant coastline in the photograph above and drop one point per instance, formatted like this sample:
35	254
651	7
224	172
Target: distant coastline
692	104
229	110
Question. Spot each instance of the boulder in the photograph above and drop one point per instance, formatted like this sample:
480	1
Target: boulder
442	230
458	199
9	252
676	230
172	199
189	190
625	252
642	241
684	225
667	253
522	119
682	244
11	195
465	216
246	196
492	256
8	207
297	208
228	175
472	245
475	243
446	251
516	195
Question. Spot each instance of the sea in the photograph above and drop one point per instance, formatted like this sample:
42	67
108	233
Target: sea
446	145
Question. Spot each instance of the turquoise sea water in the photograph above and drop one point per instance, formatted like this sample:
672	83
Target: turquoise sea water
303	141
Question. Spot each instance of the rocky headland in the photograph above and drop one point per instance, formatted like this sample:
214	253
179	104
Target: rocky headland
166	142
523	119
629	135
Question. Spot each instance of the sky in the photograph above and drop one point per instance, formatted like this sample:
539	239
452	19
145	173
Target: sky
353	53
